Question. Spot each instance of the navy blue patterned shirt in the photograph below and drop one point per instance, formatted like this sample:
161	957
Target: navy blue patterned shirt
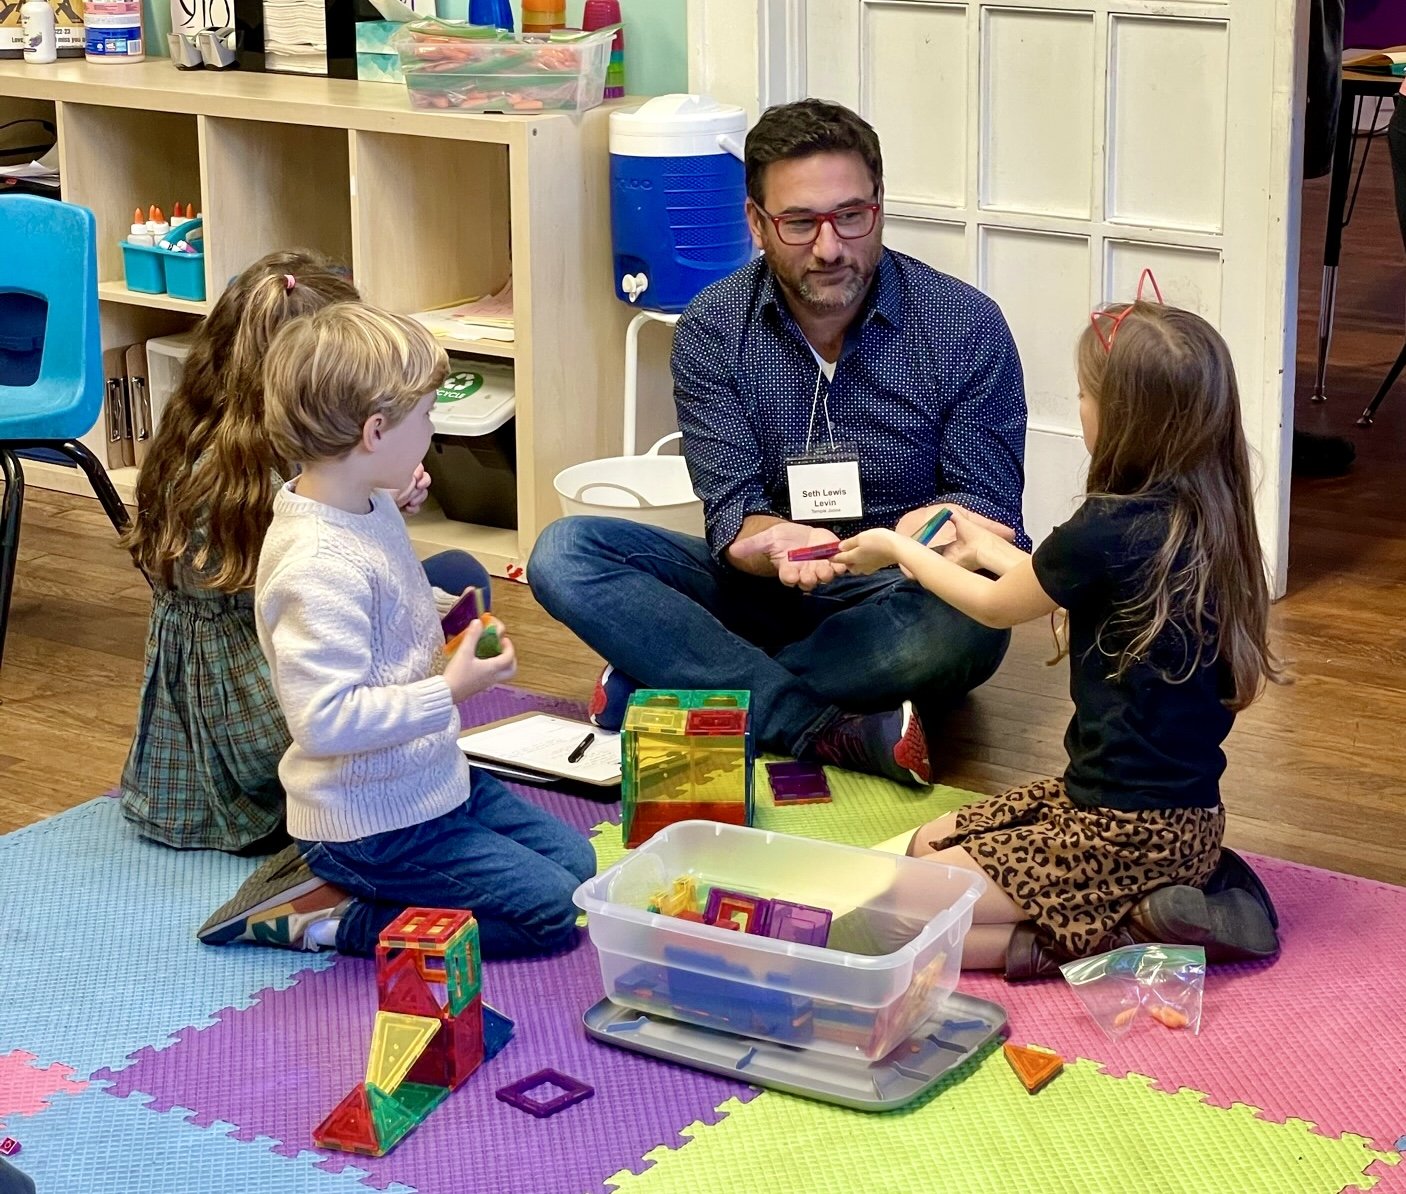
928	388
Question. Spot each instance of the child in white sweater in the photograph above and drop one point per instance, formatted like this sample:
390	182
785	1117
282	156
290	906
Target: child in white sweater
383	801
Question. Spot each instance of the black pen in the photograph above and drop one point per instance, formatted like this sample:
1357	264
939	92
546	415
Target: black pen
579	753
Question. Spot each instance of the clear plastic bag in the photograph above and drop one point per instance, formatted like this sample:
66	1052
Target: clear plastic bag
1147	985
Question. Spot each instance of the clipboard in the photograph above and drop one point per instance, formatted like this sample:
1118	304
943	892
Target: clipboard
536	745
138	403
117	409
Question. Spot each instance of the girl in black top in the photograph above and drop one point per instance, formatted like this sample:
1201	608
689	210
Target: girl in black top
1167	603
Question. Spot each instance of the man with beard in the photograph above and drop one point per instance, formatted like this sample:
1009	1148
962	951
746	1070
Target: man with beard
828	387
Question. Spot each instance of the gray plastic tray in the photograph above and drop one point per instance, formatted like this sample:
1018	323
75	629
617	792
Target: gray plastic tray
940	1046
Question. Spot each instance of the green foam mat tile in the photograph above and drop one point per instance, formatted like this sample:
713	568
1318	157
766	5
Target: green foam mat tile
863	808
1085	1133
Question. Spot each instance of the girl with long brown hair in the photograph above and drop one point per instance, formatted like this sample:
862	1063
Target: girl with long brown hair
202	771
1167	603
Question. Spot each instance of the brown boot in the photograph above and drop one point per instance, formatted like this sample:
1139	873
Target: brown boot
1230	925
1029	956
1234	873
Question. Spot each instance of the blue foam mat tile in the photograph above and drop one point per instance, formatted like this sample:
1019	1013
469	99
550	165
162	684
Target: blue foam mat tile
145	903
95	1144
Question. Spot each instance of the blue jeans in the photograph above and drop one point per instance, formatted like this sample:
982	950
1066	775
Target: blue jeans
455	571
659	608
12	1181
514	866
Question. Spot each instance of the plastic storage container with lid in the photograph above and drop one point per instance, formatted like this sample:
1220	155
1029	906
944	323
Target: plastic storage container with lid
894	952
473	68
677	199
472	461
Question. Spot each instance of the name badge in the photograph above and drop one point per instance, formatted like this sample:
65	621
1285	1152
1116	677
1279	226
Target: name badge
825	491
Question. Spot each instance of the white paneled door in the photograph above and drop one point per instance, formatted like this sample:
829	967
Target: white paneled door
1048	152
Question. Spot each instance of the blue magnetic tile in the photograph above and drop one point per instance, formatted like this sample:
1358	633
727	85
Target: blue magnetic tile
140	975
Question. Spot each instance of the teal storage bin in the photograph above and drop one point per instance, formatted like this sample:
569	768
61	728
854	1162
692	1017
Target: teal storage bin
145	269
161	271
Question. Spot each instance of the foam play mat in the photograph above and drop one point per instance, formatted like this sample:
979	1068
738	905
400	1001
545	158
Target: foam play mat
135	1061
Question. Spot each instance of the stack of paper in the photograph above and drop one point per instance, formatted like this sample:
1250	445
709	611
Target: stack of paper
1386	62
489	318
539	748
295	36
36	173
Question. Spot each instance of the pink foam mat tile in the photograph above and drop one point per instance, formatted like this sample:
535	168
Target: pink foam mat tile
26	1088
1390	1178
1316	1034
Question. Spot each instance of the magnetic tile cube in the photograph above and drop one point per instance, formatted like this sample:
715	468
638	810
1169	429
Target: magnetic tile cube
685	755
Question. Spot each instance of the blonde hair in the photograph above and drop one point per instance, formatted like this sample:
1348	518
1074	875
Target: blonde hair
205	492
1169	425
329	372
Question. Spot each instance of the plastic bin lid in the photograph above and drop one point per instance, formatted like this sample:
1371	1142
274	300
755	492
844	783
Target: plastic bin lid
679	115
475	399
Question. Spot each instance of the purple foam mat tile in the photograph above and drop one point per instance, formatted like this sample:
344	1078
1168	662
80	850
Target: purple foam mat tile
278	1067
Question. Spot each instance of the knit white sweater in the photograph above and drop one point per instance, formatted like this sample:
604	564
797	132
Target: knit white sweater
346	619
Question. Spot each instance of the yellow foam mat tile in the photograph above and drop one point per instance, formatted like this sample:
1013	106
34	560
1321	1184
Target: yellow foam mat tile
1085	1133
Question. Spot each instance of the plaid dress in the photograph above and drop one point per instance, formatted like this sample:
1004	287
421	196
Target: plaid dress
203	769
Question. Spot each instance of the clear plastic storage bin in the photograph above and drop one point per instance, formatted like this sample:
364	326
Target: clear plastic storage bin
448	64
894	952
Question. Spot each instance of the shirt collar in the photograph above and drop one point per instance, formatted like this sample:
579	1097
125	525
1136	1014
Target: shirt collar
885	297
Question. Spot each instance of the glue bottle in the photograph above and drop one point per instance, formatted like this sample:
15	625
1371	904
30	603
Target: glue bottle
113	31
140	234
40	39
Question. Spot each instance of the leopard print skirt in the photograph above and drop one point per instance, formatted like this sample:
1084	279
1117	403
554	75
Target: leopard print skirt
1077	871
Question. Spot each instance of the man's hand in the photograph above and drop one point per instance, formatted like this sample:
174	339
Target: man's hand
772	545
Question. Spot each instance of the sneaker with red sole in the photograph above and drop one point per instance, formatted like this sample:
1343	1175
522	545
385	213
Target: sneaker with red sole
610	699
891	745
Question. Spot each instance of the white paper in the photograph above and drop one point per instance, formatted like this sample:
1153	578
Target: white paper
543	743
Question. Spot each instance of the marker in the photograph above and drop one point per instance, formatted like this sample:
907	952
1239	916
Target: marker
821	552
580	752
932	526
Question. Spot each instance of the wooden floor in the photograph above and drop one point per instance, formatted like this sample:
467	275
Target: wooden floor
1317	770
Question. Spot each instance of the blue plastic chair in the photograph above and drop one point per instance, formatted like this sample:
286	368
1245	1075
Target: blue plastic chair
51	376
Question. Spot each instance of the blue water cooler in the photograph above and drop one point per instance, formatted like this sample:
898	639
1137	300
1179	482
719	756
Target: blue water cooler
677	195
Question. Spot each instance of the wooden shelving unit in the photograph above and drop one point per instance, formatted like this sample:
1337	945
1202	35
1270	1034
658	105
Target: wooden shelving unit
426	207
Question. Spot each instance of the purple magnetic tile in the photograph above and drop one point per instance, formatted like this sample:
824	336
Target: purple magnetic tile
277	1068
761	909
800	923
519	1094
797	781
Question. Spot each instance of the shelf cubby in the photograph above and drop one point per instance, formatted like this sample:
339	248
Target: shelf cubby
415	197
272	186
113	160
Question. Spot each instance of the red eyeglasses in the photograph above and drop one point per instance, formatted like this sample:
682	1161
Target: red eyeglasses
803	228
1115	320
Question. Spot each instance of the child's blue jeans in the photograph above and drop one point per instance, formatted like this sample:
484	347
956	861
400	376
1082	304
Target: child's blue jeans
512	865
